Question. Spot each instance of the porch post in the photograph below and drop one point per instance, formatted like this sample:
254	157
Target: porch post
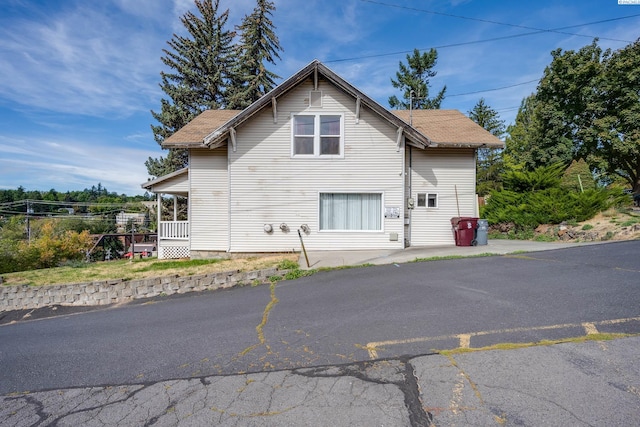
175	207
159	215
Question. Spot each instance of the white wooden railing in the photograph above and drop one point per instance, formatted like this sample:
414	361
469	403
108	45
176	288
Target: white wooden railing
175	230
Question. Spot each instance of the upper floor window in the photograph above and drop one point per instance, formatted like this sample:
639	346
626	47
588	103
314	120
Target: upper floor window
317	135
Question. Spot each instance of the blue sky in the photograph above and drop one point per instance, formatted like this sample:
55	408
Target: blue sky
78	78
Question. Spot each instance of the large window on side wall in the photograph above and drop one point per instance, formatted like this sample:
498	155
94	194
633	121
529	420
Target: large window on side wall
351	212
317	135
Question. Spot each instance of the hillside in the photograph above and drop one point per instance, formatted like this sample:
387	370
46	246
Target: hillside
609	225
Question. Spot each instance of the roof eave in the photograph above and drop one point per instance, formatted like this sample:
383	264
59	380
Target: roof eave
466	145
147	185
180	145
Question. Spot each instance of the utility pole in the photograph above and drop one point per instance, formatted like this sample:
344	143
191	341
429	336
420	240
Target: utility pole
29	211
133	229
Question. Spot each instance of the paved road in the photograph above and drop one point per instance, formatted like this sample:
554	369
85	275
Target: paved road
305	342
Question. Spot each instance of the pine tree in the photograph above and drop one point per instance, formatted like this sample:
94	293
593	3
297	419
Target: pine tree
413	81
258	45
200	65
489	165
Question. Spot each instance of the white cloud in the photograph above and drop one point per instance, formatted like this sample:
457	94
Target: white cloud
63	163
80	60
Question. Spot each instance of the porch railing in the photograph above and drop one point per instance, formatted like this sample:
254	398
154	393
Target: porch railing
177	230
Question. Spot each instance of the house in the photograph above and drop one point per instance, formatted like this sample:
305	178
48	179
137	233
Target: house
123	219
317	155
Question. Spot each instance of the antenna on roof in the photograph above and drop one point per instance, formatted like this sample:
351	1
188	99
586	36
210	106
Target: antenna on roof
411	93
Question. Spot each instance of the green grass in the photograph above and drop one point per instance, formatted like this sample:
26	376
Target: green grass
544	238
587	227
630	222
440	258
140	268
288	265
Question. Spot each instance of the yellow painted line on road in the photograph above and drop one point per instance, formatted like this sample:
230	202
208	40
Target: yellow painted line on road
465	339
590	328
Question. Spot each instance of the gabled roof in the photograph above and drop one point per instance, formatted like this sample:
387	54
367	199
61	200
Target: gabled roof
429	128
220	122
449	128
193	133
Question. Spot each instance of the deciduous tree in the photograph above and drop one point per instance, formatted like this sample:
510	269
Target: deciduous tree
612	141
587	105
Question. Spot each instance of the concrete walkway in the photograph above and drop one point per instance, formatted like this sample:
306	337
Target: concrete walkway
320	259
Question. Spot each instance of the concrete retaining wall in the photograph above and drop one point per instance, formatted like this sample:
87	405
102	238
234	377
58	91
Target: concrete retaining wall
118	291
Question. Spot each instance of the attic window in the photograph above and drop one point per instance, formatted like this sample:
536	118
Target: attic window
315	98
317	135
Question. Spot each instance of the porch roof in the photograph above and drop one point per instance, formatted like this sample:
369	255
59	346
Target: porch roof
176	183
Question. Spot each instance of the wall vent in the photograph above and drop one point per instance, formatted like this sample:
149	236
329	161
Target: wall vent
315	98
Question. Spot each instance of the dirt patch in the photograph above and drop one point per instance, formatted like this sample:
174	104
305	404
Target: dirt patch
609	225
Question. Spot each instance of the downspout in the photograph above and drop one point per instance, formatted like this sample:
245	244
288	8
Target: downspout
228	201
403	174
410	192
189	174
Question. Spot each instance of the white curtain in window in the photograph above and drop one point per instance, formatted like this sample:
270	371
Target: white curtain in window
350	211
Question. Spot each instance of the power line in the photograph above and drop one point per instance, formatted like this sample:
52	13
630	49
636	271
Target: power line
512	36
556	30
494	89
70	204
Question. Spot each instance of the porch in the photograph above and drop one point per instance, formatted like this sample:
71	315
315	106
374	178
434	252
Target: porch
173	239
173	231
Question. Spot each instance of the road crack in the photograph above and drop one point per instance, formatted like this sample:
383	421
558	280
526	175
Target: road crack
265	318
397	372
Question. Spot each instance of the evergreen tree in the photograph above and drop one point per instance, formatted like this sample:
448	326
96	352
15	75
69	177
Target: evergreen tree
488	160
520	136
578	177
200	65
488	118
413	81
258	45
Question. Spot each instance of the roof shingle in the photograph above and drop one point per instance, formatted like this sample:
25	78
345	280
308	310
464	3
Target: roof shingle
449	128
193	133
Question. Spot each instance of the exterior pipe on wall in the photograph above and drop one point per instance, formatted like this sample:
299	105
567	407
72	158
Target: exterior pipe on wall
303	249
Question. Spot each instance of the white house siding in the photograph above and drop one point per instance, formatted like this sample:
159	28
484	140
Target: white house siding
440	171
208	200
269	187
177	184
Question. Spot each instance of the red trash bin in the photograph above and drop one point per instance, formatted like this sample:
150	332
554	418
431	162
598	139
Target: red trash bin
464	230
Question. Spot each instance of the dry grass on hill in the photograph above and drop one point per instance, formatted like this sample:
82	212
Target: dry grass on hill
138	269
612	224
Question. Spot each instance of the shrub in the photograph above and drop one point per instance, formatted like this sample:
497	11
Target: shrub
49	247
549	206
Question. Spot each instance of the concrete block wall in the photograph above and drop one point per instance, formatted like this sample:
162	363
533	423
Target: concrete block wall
105	292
